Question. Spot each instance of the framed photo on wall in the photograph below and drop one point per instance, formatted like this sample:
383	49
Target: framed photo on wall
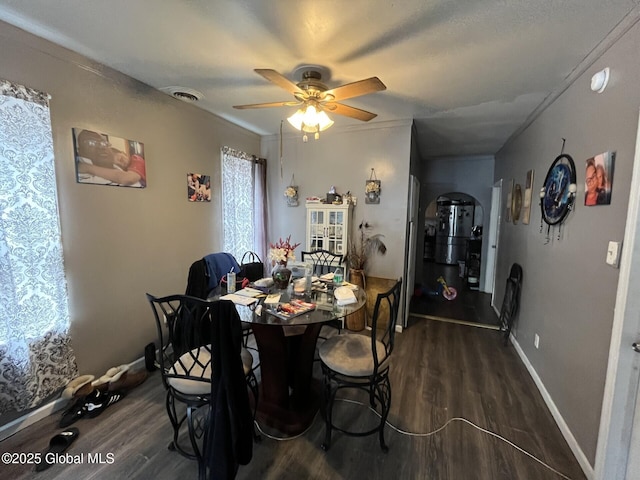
528	193
507	213
198	187
598	179
104	159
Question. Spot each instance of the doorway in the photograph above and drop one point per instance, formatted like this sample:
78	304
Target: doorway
452	261
618	451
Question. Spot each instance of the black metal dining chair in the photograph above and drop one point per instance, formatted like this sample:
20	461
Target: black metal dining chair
190	366
323	261
361	362
510	301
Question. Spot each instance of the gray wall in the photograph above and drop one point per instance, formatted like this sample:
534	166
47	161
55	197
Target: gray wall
122	242
344	158
569	292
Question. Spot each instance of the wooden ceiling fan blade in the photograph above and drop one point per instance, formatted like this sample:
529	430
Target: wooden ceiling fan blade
348	111
355	89
267	105
278	79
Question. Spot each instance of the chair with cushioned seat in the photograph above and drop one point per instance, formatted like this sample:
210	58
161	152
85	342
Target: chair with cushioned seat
187	358
358	361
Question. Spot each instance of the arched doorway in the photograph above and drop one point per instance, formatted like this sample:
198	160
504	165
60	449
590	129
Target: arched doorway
453	245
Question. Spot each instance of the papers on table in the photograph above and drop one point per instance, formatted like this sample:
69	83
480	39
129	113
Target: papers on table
249	292
239	299
272	298
344	296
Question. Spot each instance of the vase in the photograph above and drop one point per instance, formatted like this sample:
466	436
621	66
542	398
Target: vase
356	321
281	276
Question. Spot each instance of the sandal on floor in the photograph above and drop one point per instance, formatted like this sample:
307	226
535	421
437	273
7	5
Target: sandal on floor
58	444
78	387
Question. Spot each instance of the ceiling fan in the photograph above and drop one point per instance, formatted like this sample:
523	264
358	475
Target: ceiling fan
315	98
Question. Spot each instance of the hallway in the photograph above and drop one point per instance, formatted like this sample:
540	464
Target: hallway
469	306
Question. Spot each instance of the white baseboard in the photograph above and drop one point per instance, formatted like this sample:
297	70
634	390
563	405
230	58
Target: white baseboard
32	417
44	411
564	428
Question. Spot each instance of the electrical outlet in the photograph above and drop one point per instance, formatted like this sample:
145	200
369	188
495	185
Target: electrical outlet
536	341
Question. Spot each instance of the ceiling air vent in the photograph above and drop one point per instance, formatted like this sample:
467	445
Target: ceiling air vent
183	93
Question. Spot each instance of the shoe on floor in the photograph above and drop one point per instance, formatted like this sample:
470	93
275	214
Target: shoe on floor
73	413
112	375
58	444
78	387
98	401
128	381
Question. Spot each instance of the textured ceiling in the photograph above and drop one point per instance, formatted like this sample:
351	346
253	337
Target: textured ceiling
469	72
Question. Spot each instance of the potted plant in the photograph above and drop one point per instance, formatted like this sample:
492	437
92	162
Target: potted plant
362	249
360	252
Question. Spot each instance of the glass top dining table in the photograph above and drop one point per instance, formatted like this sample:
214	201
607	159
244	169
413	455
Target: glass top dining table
289	394
326	308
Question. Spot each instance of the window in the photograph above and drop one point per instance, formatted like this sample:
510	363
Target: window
243	203
35	354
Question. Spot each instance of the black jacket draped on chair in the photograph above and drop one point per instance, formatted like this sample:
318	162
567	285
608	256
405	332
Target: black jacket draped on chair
229	438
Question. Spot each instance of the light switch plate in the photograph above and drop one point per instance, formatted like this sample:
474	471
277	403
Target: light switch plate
613	254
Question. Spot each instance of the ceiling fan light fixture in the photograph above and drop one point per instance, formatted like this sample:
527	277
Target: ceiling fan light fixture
296	119
310	120
324	121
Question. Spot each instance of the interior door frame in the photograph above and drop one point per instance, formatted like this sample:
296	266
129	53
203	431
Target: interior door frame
617	419
494	239
411	246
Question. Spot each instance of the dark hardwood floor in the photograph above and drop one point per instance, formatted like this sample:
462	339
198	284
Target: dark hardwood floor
469	306
440	371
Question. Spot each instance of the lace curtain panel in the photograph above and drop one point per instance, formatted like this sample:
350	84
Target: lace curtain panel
36	358
243	203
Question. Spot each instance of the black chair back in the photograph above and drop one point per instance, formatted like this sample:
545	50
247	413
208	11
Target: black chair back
184	332
511	300
323	261
384	321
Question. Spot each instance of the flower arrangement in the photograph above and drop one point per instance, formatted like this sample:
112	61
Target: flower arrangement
282	251
372	186
290	192
360	252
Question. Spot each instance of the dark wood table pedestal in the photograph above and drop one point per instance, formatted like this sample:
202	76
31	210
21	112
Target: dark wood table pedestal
289	395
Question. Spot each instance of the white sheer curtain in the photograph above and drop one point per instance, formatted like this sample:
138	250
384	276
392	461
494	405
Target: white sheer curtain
243	203
36	358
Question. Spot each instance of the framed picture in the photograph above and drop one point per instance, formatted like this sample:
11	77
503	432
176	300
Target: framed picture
507	216
291	195
598	179
104	159
528	194
198	187
372	191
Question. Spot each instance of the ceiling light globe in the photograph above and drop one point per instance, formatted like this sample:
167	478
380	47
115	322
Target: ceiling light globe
324	121
311	116
296	119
